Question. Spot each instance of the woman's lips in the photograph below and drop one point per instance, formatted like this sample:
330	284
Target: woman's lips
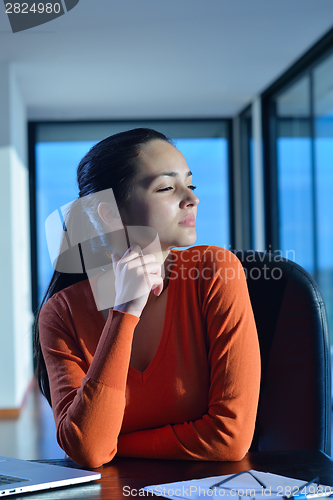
188	221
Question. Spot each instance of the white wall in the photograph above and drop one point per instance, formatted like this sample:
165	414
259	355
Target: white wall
258	178
15	290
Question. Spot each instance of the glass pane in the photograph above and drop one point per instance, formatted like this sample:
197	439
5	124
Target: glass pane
208	161
294	102
56	164
323	110
294	174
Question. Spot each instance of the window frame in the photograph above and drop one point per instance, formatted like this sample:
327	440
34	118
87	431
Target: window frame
305	65
246	133
160	124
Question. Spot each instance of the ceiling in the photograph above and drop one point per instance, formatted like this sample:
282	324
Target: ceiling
114	59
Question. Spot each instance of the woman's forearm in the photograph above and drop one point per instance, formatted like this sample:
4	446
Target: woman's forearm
89	403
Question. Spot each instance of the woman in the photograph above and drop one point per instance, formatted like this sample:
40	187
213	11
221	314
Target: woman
174	372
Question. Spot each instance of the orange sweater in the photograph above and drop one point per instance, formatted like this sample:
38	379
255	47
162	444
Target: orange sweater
197	400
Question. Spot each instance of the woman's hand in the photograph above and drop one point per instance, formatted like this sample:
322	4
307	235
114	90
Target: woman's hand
135	276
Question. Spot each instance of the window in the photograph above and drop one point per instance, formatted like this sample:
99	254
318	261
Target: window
323	161
58	148
298	115
294	174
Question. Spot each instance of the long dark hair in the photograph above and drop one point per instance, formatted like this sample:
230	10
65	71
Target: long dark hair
112	163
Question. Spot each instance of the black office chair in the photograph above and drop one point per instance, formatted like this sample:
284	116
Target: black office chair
294	411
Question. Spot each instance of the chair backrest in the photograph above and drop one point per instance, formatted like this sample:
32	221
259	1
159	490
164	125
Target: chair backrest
294	411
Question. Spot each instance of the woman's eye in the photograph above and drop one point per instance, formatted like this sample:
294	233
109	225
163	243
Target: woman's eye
170	187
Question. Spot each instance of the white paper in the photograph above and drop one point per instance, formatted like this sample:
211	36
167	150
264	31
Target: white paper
242	487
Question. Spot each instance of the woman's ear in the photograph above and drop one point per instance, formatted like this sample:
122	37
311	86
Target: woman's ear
110	216
103	209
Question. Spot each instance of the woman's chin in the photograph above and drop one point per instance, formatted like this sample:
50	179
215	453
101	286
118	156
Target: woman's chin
188	241
182	241
193	237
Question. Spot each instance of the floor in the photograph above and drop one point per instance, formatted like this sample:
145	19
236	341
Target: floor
32	435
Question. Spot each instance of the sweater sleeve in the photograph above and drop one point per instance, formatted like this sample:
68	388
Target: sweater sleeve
226	431
88	402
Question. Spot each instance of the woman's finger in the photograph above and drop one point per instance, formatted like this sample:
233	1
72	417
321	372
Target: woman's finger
115	259
130	254
157	289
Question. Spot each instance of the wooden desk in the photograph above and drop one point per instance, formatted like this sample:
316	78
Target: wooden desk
136	473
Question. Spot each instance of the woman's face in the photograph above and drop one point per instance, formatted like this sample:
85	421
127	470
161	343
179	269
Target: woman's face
163	196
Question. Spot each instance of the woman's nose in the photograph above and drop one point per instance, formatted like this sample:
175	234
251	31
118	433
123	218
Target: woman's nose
191	199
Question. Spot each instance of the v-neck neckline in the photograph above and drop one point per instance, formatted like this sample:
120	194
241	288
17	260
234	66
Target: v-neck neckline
142	377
